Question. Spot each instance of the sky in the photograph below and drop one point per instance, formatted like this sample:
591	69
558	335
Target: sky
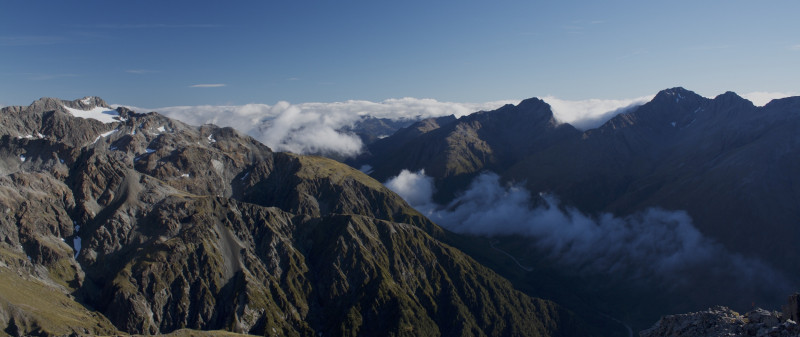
173	53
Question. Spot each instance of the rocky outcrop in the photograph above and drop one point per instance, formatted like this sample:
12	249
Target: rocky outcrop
155	226
791	310
722	321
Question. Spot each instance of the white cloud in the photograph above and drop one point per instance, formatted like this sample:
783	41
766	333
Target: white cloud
208	85
314	127
139	71
761	98
658	245
415	188
591	113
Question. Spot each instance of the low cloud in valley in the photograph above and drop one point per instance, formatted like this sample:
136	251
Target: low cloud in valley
657	245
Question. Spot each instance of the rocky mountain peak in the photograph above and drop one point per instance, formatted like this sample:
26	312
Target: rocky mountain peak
730	98
531	112
677	95
45	104
49	104
89	102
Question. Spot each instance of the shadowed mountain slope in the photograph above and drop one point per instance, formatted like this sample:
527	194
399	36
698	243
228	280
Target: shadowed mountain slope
146	225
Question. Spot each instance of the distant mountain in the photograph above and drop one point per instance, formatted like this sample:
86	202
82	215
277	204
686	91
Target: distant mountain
143	224
371	129
456	150
727	162
730	165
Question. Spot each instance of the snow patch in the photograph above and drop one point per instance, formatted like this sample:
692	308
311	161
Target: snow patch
98	113
244	176
104	134
149	150
22	158
185	175
211	139
87	100
161	129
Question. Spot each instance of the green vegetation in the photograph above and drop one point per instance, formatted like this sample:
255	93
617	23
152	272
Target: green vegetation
35	306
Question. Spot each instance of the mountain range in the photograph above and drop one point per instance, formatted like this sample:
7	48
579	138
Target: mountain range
729	165
117	222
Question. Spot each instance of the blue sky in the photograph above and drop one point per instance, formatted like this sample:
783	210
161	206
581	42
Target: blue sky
166	53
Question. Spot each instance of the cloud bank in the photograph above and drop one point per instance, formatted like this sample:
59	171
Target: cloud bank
591	113
761	98
655	245
317	127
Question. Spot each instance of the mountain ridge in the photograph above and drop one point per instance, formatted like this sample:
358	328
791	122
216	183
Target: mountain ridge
725	162
151	226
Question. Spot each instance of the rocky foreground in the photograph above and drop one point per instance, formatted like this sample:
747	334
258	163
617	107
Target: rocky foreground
722	321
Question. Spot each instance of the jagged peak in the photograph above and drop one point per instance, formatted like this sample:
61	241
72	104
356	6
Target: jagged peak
85	103
677	94
532	102
91	101
527	110
731	97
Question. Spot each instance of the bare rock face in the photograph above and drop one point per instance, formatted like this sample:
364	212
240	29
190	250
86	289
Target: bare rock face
147	225
721	321
792	309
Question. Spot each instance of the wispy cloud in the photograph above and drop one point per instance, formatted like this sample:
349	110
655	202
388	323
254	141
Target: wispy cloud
634	53
208	85
151	26
140	71
31	40
710	47
795	47
45	77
